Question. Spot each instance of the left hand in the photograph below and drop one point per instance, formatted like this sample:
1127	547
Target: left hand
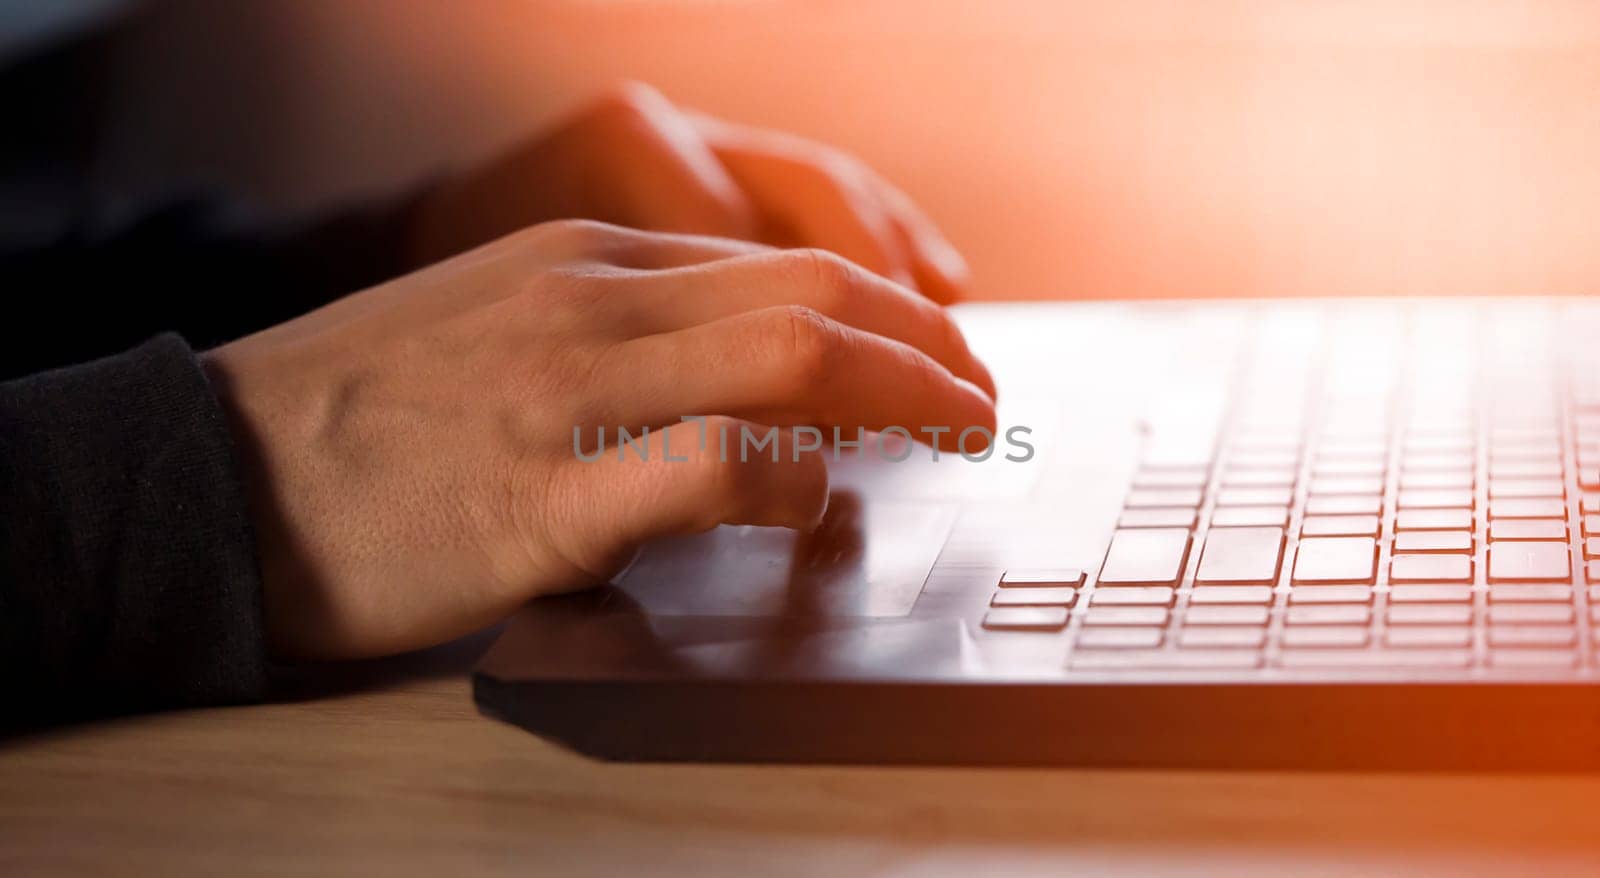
633	159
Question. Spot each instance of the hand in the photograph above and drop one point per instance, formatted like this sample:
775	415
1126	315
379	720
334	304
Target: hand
409	450
633	159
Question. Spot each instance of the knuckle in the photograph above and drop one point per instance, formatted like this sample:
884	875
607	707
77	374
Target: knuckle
571	236
806	341
829	279
627	102
824	268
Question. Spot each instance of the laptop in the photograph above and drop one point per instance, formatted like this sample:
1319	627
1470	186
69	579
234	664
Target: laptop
1268	534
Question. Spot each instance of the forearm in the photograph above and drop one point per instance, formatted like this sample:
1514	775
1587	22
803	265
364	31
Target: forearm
128	576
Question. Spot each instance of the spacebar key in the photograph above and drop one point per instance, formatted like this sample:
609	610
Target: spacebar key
1147	556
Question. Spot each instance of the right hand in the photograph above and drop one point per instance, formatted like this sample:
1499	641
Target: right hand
409	449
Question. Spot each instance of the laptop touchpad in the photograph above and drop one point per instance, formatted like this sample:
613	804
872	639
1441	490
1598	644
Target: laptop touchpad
869	558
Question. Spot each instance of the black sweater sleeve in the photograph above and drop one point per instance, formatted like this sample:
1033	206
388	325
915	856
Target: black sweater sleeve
128	576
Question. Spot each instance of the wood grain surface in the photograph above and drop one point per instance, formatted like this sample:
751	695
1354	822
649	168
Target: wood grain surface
388	770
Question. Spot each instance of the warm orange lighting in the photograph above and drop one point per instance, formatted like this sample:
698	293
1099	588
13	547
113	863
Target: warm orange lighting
1072	149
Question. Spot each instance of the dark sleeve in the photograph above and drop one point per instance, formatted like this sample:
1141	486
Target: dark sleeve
128	576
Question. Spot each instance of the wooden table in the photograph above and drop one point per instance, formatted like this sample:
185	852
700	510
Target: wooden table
388	770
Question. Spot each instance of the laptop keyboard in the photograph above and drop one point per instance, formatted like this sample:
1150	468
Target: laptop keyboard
1406	487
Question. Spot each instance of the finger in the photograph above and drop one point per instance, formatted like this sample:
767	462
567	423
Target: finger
813	196
691	477
672	175
623	247
793	366
826	283
941	272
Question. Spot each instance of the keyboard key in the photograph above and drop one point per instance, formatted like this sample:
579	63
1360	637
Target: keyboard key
1591	525
1526	488
1255	497
1026	619
1418	463
1527	529
1445	499
1142	498
1448	541
1430	568
1340	526
1246	638
1589	477
1145	557
1119	638
1034	597
1179	517
1332	450
1325	636
1344	505
1329	614
1590	504
1530	658
1509	593
1042	577
1250	516
1537	451
1142	596
1226	615
1336	559
1436	480
1331	594
1530	562
1102	615
1531	635
1231	594
1258	478
1591	548
1530	614
1240	460
1373	466
1395	660
1135	659
1430	614
1525	469
1523	434
1172	478
1430	636
1457	444
1241	556
1324	486
1527	508
1433	519
1593	571
1404	594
